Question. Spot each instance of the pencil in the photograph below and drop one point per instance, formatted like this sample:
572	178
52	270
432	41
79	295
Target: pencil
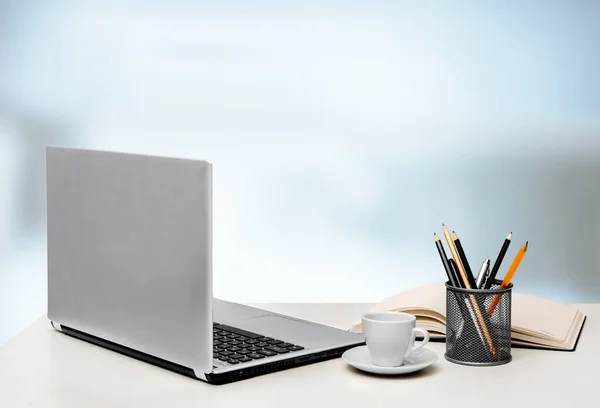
456	257
467	285
466	308
490	280
454	270
463	258
449	272
509	275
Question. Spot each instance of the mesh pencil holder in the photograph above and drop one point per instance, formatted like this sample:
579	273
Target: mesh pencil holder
478	325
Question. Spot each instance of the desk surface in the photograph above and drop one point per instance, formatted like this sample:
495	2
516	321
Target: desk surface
44	368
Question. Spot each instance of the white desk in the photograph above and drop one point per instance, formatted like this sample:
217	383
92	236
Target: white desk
44	368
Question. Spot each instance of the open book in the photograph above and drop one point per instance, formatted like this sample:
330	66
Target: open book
536	322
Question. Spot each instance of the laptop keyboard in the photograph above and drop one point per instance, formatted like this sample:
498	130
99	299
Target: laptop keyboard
233	346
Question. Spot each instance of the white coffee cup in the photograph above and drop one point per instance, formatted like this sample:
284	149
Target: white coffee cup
390	337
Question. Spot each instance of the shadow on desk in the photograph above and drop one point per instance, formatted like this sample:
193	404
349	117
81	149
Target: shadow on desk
430	371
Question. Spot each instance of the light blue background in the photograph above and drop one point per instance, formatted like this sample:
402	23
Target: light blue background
343	134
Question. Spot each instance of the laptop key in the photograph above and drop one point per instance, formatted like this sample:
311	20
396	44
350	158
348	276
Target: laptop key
278	350
267	353
235	342
261	344
225	353
251	341
285	345
223	358
244	359
239	331
295	348
231	361
255	356
236	356
244	352
217	350
274	342
265	339
234	348
254	348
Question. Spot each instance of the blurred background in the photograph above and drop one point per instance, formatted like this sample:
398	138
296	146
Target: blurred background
343	133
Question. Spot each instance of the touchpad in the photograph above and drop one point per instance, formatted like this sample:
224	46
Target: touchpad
284	328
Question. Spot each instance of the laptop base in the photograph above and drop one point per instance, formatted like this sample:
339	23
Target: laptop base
212	378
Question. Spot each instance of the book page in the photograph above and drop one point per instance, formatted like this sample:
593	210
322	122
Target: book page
542	317
534	345
533	341
575	330
427	297
431	296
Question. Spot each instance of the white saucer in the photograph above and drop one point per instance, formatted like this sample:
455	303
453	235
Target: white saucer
360	358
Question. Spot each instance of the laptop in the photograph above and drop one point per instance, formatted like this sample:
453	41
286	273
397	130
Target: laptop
130	269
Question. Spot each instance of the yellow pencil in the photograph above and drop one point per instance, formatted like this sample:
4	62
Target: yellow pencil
463	274
509	275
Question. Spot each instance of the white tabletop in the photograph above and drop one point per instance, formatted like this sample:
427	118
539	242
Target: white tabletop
44	368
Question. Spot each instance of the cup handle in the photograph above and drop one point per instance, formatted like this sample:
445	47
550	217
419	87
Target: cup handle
425	340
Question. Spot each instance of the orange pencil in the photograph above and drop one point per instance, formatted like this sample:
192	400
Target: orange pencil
509	275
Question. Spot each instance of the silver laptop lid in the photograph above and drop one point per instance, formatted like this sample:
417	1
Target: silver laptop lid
130	251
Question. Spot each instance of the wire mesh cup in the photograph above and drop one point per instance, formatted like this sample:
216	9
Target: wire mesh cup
478	323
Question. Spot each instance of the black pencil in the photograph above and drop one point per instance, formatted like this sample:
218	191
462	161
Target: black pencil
464	260
488	283
455	272
451	276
